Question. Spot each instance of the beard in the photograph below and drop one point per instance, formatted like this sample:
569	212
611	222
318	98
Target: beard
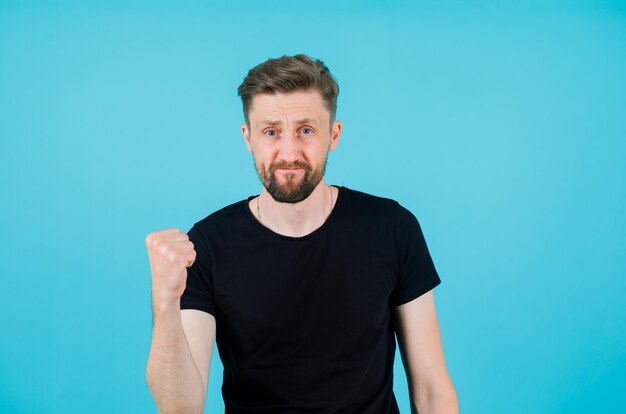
292	191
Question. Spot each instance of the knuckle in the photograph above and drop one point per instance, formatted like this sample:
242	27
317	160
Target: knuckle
173	257
169	254
162	248
156	245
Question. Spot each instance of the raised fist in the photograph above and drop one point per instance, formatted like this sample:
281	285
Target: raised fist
170	253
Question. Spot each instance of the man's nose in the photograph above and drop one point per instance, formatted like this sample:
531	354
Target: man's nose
291	148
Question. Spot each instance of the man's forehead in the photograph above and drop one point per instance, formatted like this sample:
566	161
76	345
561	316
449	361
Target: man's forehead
296	106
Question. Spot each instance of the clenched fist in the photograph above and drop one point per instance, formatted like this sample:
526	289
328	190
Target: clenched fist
170	253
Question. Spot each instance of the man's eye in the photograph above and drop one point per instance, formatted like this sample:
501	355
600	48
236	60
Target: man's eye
307	131
271	132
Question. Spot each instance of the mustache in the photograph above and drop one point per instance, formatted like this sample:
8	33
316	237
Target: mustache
295	164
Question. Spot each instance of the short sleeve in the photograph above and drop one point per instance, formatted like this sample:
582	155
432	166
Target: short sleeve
416	273
198	293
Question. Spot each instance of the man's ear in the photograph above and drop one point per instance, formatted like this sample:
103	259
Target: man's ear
245	131
334	135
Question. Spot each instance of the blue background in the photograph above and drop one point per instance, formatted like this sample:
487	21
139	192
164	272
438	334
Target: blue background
501	125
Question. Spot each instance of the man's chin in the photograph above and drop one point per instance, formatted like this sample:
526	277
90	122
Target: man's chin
288	193
290	189
292	186
290	197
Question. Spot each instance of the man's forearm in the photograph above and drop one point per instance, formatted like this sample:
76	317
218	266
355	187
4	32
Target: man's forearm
172	375
441	401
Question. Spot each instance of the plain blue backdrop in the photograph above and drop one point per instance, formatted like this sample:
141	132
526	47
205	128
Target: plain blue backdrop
500	125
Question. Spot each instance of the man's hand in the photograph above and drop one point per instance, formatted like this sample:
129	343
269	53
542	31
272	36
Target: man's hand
182	341
170	252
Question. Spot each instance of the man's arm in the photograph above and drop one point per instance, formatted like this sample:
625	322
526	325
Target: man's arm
179	361
419	340
182	341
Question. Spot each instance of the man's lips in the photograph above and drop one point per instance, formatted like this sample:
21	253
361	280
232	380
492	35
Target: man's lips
290	168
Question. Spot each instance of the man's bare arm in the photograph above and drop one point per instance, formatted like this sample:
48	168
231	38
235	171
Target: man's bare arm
419	340
182	341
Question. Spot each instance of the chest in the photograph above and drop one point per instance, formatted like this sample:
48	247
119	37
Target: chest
303	298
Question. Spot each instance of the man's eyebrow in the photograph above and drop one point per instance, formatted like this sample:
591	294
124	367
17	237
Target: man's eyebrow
268	122
297	121
307	121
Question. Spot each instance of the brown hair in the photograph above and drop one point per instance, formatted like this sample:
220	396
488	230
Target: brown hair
289	74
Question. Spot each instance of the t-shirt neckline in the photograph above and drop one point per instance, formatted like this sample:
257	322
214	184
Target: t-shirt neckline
329	219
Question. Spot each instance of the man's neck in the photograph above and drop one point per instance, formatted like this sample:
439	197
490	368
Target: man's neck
295	219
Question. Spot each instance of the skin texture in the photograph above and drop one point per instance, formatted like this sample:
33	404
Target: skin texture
289	136
182	341
419	341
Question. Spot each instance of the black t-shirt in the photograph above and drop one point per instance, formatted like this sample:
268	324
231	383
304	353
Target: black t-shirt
304	324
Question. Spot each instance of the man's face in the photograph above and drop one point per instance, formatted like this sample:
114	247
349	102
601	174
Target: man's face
289	137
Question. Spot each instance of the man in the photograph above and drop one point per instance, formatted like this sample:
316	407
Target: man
303	286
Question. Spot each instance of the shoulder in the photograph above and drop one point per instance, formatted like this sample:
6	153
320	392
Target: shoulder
227	213
362	200
232	215
381	209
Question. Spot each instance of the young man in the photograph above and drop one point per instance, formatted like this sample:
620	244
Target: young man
303	286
